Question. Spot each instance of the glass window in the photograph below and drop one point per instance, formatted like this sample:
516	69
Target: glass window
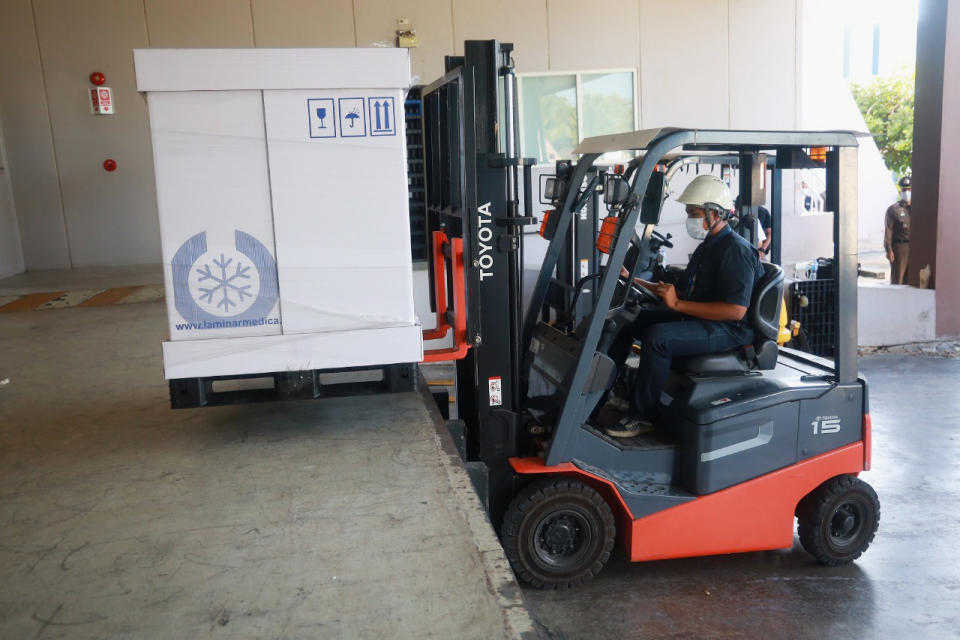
559	110
607	103
550	128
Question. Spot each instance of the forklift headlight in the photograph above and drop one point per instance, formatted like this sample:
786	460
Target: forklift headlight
616	191
550	189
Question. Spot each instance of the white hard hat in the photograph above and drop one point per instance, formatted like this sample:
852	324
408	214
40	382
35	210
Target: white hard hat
705	190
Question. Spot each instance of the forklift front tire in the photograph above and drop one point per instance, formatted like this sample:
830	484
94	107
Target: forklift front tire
838	520
558	533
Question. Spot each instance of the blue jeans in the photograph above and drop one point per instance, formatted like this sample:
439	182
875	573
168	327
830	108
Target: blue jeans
664	335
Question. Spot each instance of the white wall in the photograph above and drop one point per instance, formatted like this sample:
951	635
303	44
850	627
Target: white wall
826	103
703	63
894	314
11	254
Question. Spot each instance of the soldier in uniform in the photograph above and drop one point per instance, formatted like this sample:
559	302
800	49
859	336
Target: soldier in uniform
896	236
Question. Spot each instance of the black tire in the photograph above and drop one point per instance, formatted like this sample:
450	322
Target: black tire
558	533
838	520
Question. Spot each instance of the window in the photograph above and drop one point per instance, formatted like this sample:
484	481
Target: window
557	110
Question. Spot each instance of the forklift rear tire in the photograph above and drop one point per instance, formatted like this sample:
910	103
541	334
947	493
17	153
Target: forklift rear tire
558	533
838	520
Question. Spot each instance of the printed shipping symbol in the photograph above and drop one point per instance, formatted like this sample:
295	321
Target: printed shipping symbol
386	115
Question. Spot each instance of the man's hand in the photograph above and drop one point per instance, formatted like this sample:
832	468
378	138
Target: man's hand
667	293
890	256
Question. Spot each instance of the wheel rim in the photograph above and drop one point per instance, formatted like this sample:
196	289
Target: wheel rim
846	525
562	538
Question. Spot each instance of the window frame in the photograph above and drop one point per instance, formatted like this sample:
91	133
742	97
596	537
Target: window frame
578	74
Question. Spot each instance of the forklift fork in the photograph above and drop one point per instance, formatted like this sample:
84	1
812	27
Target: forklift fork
444	249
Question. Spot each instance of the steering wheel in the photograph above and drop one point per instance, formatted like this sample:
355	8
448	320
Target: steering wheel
636	293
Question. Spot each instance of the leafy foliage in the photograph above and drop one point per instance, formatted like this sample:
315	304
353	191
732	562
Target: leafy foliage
887	107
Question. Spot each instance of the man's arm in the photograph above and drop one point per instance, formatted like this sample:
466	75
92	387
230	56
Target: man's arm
720	311
651	286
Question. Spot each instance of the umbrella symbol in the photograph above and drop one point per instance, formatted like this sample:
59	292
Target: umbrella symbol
352	117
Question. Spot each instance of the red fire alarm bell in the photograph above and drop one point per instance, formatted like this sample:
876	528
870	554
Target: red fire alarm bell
97	78
110	164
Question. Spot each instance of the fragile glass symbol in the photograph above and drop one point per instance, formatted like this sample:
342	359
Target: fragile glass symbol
322	113
352	117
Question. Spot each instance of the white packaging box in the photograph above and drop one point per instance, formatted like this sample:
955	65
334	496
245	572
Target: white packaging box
337	198
216	223
281	187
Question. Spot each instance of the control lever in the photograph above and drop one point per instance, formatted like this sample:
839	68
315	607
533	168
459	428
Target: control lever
664	240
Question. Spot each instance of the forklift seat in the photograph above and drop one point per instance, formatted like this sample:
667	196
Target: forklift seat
764	316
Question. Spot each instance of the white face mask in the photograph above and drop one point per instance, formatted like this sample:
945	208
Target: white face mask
695	228
905	196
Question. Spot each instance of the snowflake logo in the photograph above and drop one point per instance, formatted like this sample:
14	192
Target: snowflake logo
224	284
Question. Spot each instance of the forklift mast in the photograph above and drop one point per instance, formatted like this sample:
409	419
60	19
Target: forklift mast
472	172
579	258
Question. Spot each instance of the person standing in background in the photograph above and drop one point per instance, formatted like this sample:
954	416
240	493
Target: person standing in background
766	226
896	235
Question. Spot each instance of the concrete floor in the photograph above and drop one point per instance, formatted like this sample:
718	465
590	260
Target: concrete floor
907	584
82	278
120	518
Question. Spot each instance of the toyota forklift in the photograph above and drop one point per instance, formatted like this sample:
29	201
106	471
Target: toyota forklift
746	440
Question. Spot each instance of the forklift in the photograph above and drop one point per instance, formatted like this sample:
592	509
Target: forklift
746	440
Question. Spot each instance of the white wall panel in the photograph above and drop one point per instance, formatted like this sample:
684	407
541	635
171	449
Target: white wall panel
11	254
31	166
303	23
684	63
601	38
199	23
376	25
111	218
523	23
763	63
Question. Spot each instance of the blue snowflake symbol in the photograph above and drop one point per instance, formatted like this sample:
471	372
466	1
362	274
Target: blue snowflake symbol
224	284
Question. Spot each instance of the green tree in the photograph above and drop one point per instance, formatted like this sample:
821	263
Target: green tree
558	118
605	113
887	107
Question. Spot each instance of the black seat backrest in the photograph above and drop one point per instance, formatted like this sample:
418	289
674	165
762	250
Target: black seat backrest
764	311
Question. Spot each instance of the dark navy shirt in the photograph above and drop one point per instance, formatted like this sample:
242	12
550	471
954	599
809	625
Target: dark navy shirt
766	220
724	268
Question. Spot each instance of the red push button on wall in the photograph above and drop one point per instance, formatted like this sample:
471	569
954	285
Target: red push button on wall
110	164
97	78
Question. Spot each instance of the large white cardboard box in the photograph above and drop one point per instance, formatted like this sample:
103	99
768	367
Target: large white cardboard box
281	187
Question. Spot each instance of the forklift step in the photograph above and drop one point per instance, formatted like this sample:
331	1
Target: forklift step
638	488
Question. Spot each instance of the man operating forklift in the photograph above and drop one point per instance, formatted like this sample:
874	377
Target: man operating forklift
705	316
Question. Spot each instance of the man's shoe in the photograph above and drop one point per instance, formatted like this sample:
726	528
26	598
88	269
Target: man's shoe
629	428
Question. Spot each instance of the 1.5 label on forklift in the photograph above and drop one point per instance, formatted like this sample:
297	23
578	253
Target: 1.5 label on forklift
496	391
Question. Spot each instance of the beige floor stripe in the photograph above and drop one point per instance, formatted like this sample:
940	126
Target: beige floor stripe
149	293
70	299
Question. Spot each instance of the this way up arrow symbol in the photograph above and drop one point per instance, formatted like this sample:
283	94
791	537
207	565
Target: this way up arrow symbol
376	110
